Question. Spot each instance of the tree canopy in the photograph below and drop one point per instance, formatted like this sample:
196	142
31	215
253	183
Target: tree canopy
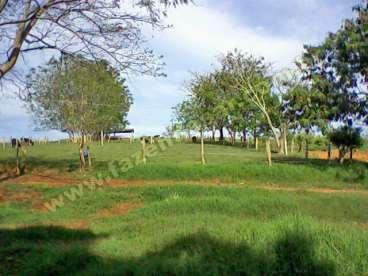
338	68
78	96
102	29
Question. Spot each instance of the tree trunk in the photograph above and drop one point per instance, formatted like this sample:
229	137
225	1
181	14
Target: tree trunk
255	138
232	135
143	150
102	138
351	155
214	134
281	149
89	159
82	161
292	149
300	145
221	135
244	138
256	143
329	151
273	129
203	159
306	149
341	156
268	152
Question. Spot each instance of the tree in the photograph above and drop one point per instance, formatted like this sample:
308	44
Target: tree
197	112
338	68
201	89
99	29
346	139
183	114
249	77
308	110
78	96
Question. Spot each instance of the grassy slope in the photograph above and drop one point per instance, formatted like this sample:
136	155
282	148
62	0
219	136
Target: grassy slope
181	162
189	230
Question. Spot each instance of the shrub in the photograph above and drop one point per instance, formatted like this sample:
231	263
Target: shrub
346	139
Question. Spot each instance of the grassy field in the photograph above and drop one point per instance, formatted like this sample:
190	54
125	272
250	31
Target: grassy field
181	162
178	217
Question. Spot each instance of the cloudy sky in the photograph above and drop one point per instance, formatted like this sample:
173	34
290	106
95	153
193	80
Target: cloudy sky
275	29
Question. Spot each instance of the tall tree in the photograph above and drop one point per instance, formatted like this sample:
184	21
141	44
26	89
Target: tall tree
78	96
250	77
339	68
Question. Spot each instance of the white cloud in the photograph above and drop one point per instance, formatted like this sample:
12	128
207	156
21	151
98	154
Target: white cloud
202	33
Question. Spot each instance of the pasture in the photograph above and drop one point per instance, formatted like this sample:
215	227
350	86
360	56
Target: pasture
234	215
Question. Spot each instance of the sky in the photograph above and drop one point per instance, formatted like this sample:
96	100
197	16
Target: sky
200	33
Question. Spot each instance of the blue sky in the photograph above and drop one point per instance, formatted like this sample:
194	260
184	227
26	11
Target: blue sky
276	29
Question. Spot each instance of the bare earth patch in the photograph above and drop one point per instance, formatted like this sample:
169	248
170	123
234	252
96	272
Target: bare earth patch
57	181
44	179
357	155
119	209
8	195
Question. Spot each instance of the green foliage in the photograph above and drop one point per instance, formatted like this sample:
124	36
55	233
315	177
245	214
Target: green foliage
78	96
346	138
338	67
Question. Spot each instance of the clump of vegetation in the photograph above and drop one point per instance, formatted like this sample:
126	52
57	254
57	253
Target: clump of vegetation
346	139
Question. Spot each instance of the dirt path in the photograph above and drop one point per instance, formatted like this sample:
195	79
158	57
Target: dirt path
57	181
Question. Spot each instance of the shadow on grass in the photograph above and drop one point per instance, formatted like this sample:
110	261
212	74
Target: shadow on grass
37	164
316	162
59	251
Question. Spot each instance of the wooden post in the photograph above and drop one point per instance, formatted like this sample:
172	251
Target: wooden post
143	150
307	149
285	140
329	152
203	159
268	152
102	138
17	169
81	154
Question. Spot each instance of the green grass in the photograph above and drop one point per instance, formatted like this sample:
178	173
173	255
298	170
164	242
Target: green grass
187	229
183	228
181	163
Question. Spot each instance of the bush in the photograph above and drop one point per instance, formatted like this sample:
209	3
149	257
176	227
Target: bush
346	139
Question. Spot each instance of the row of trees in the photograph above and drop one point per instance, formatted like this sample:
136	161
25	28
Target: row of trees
327	88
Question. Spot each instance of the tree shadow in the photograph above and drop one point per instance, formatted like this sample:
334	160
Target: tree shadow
316	162
7	169
46	250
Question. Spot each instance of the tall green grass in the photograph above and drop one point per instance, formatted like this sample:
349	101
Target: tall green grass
194	230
